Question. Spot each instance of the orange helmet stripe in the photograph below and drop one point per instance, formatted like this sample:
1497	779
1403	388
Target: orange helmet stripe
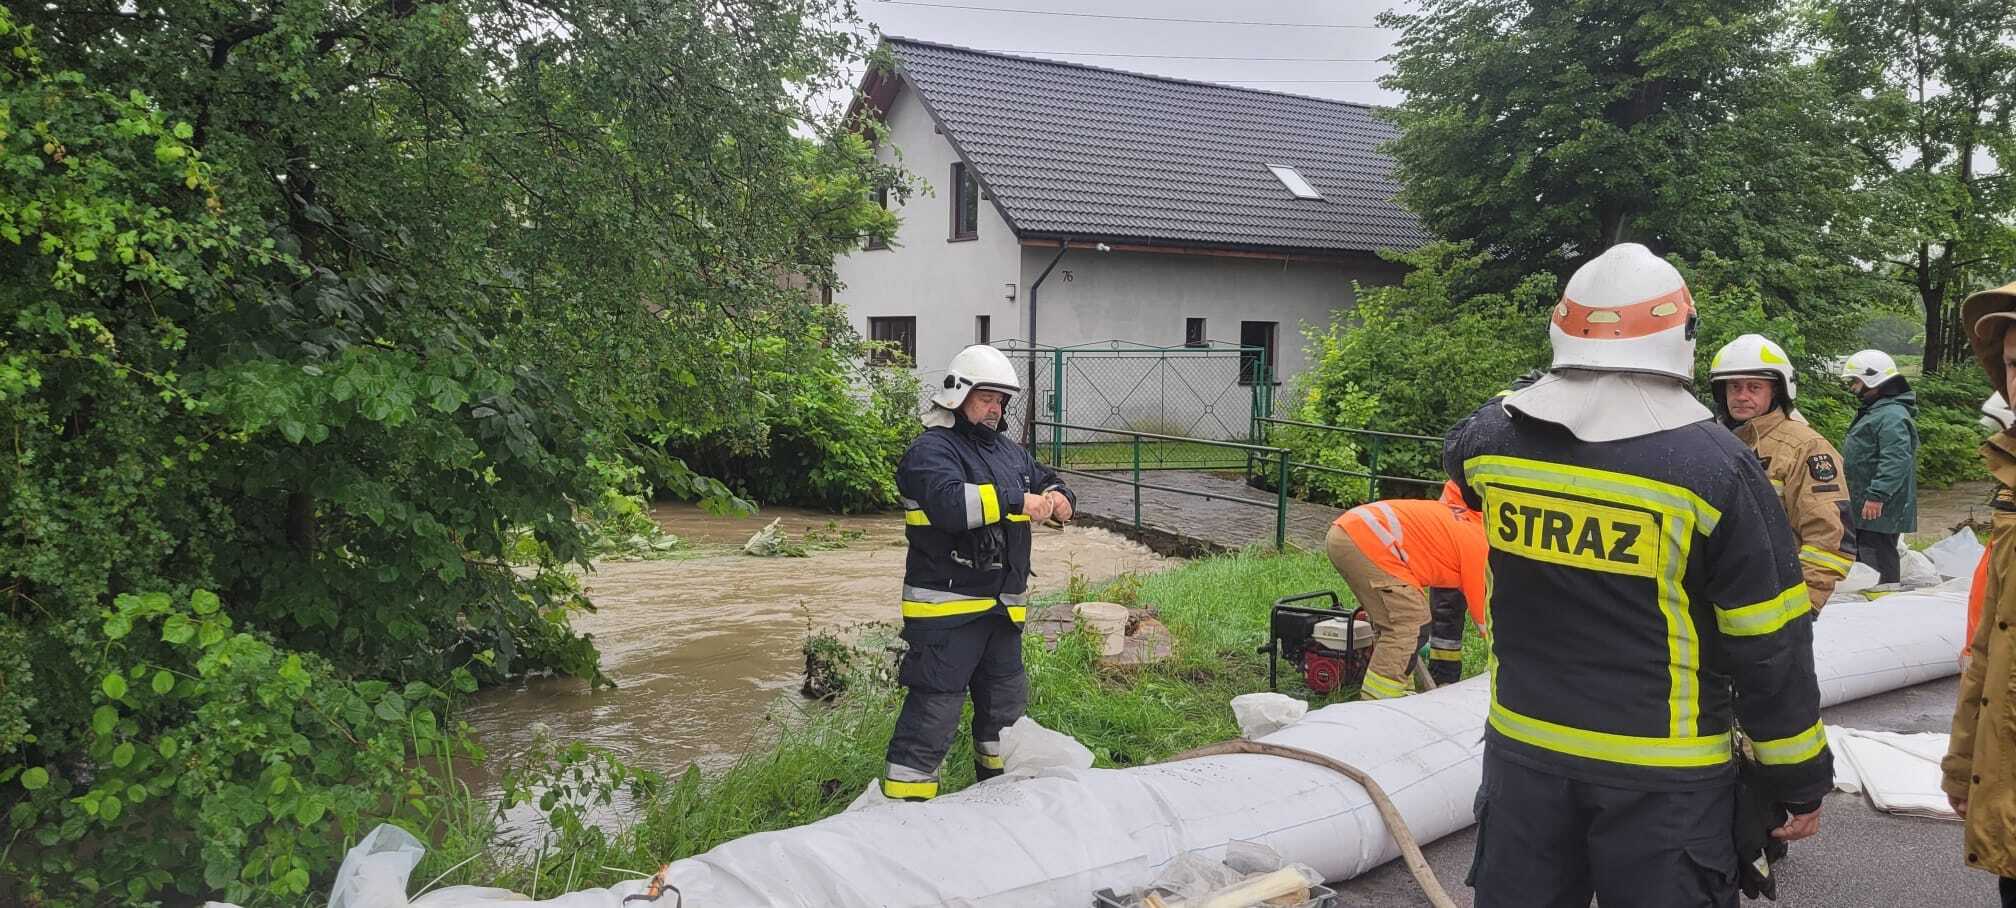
1652	316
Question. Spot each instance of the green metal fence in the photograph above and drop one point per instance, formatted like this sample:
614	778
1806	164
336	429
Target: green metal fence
1135	443
1186	395
1372	441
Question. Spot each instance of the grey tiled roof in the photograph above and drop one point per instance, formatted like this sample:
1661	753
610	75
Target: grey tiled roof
1096	153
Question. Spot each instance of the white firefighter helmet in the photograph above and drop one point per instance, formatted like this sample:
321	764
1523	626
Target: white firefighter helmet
978	366
1627	310
1755	356
1623	338
1871	367
1996	416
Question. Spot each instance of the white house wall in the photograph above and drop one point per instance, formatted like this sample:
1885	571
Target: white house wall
1147	297
942	283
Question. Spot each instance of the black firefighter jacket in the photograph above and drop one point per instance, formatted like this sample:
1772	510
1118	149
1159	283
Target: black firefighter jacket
962	491
1645	596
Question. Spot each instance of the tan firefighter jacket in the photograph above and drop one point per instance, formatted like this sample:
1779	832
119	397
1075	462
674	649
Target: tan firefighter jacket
1806	471
1980	764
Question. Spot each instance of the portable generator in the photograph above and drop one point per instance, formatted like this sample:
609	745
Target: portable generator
1330	646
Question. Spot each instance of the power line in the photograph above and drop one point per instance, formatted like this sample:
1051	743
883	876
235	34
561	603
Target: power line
1077	15
1087	53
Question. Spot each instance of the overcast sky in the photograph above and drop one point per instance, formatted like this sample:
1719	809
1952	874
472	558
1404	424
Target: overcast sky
1333	45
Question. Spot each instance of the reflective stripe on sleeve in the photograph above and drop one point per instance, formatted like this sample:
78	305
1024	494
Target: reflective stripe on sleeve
1764	617
1826	560
1796	749
990	505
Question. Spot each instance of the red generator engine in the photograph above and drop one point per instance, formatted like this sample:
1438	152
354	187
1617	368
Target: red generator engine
1330	646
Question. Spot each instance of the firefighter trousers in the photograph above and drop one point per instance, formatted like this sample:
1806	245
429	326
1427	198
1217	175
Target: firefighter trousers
1398	610
982	658
1547	841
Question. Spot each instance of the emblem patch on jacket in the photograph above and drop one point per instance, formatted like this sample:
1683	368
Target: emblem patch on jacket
1822	467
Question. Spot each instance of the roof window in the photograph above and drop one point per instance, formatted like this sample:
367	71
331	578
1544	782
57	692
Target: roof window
1299	187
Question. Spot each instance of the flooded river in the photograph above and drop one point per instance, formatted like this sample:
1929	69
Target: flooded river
701	646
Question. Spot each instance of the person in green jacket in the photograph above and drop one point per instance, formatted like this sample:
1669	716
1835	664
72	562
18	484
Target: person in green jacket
1881	454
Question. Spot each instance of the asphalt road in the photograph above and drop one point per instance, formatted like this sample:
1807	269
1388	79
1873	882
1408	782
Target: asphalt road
1862	858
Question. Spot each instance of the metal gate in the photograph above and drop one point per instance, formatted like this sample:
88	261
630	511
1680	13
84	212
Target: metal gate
1204	392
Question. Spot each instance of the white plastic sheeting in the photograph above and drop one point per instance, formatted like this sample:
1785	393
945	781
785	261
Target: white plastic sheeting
1059	834
1899	772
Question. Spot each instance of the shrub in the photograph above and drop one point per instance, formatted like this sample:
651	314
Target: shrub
1949	431
830	433
212	761
1412	357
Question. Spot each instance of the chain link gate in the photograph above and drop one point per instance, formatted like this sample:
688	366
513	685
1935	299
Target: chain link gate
1187	392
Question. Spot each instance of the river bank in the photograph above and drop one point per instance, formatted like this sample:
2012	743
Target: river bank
803	770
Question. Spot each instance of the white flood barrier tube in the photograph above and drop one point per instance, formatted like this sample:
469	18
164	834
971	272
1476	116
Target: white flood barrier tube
1055	838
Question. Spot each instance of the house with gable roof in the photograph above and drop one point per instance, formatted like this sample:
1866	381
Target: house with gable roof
1074	204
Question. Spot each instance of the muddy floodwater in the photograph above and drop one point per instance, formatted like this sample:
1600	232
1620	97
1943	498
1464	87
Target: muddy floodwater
702	646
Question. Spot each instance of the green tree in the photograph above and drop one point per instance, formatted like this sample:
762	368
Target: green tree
1546	131
1930	88
319	313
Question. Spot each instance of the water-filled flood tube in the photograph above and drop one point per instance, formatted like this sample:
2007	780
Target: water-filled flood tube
1054	838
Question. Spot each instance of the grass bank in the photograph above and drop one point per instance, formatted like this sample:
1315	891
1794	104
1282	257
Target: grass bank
822	759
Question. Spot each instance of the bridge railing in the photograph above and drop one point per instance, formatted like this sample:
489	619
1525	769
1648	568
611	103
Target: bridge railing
1135	442
1374	444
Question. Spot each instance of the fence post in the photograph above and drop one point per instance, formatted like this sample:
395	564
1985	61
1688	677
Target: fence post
1137	487
1372	481
1057	408
1281	505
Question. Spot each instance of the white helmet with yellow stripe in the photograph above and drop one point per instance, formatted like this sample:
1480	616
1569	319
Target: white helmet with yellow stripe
1755	356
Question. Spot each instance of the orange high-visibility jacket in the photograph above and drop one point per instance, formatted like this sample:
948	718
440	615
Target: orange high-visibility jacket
1426	543
1974	599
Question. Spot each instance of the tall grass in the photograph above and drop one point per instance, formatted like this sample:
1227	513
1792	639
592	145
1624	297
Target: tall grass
826	756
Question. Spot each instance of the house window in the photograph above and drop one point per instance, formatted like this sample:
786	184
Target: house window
899	333
875	240
983	329
965	203
1193	333
1251	363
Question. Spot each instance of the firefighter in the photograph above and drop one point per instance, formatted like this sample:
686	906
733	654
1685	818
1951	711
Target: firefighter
970	496
1756	392
1645	597
1390	552
1979	771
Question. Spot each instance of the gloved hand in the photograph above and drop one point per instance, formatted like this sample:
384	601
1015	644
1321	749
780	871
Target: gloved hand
1757	813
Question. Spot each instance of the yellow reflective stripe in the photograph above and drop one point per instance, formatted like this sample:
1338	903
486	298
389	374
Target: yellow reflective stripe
909	791
1446	655
914	609
1681	512
1822	558
989	761
1018	518
1380	687
1767	616
1707	750
1796	749
1650	493
1018	614
990	504
916	518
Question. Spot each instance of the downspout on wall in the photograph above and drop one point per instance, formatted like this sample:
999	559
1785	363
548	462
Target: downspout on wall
1029	406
